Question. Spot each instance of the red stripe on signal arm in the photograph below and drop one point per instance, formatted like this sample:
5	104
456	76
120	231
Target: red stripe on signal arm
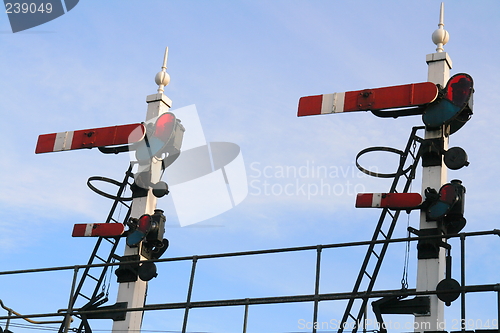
98	230
391	97
389	200
79	230
45	143
310	105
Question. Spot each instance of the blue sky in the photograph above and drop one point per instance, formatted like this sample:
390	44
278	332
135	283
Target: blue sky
244	65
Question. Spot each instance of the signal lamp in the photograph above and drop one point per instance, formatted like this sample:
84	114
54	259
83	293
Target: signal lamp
454	108
165	136
144	225
448	206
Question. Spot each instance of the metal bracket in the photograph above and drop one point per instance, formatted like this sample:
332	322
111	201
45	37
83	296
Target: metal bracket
154	250
420	305
431	151
118	315
365	99
399	113
91	305
115	150
429	248
138	191
98	300
88	139
127	272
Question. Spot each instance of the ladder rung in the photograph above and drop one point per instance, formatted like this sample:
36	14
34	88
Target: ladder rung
113	219
123	203
383	234
375	254
84	296
369	276
100	258
352	317
92	277
111	240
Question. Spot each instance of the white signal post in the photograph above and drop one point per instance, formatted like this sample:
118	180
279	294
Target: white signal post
134	293
431	271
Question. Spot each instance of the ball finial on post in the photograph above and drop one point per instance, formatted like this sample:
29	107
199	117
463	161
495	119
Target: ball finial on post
162	78
440	36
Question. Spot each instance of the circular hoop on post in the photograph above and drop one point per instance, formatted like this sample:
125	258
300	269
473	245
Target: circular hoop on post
376	174
104	194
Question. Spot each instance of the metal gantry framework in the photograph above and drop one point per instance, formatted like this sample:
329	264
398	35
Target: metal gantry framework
245	303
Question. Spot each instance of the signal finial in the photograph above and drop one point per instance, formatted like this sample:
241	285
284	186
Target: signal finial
162	78
440	36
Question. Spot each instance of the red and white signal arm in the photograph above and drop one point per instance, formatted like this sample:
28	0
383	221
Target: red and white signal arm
90	138
408	95
395	201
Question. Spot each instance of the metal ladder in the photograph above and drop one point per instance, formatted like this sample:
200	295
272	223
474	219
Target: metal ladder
383	231
93	278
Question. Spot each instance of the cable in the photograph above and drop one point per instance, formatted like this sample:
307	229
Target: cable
404	279
148	331
34	327
111	268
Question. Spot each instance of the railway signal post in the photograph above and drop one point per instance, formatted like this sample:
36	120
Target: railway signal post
156	143
445	105
134	292
431	270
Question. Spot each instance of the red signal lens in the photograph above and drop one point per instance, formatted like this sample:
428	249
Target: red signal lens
164	126
144	224
448	194
459	89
